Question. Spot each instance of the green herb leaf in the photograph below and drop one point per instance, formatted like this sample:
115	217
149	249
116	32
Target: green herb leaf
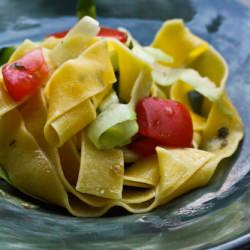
86	8
5	54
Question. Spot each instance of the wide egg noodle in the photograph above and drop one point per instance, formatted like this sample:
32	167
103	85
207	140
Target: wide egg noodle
155	91
220	148
211	141
136	196
79	117
77	203
106	166
77	81
179	93
143	173
22	50
212	65
177	41
98	98
25	163
197	136
140	181
177	167
80	37
3	175
50	42
191	51
34	114
171	169
70	160
129	66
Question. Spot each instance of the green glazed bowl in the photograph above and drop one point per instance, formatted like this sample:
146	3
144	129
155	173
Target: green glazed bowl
216	216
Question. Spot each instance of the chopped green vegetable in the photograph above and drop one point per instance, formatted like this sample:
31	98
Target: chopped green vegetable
158	55
108	101
166	76
147	54
106	131
5	54
115	135
86	8
195	100
151	55
116	124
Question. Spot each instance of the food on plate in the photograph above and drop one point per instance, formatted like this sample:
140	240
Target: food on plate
90	119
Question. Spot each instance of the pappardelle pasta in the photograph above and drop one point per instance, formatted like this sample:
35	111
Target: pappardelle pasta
90	119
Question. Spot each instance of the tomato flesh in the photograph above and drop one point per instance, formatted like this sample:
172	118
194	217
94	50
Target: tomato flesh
24	76
108	32
144	146
59	34
166	121
104	32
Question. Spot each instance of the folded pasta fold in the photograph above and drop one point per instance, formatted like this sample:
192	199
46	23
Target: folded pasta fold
67	143
70	90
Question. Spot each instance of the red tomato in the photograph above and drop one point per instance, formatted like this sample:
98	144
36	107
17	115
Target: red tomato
166	121
144	146
24	76
109	32
104	32
59	34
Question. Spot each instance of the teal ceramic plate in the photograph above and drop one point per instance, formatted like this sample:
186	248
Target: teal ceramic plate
214	216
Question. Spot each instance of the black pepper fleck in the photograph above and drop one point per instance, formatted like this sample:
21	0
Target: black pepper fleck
223	132
19	66
223	143
13	142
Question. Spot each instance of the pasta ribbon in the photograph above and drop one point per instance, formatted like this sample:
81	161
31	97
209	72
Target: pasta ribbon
176	167
101	172
143	173
129	66
76	81
80	37
177	41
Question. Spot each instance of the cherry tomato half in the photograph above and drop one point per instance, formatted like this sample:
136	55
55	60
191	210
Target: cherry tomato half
144	146
104	32
26	75
166	121
109	32
59	34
